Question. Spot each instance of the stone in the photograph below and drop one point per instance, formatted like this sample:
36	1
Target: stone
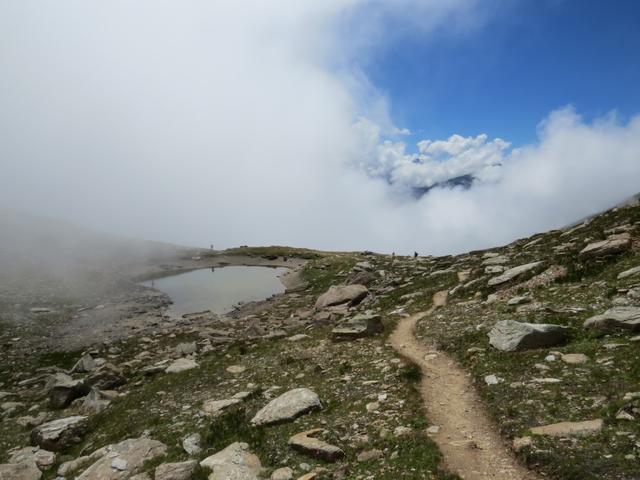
236	369
632	272
497	260
60	433
518	300
369	455
613	245
62	390
186	348
181	365
43	459
20	471
521	443
284	473
574	358
287	407
298	337
627	318
106	377
77	463
306	443
176	471
84	365
97	401
513	273
127	458
215	407
402	431
236	462
338	295
360	326
509	335
492	380
192	444
564	429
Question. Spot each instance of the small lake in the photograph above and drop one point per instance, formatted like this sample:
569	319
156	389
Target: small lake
218	290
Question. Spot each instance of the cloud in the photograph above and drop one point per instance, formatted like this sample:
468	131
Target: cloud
251	122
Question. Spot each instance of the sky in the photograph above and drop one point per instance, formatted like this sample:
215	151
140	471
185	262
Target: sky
335	125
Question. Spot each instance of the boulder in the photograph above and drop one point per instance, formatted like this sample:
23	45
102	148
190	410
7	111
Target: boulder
123	460
43	459
59	433
284	473
84	365
338	295
176	471
632	272
513	273
564	429
192	444
287	407
20	471
106	377
363	325
234	462
62	390
181	365
509	335
306	443
613	245
97	401
497	260
624	317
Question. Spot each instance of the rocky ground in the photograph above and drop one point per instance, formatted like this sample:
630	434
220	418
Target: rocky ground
307	385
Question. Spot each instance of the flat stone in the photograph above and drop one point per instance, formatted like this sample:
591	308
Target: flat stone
42	458
338	295
564	429
306	443
360	326
632	272
497	260
181	365
236	369
20	471
509	335
287	407
613	245
124	459
176	471
513	273
369	455
236	462
59	433
624	317
575	358
215	407
284	473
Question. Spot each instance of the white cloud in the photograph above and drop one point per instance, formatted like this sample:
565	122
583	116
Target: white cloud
235	122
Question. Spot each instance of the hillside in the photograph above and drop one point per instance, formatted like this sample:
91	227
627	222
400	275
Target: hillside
314	384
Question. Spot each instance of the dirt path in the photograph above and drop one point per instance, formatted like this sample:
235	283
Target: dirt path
470	443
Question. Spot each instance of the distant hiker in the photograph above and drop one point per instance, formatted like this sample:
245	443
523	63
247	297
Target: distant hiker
415	254
212	246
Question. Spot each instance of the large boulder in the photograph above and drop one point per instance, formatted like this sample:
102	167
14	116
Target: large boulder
613	245
363	325
287	407
306	443
339	295
20	471
60	433
513	273
43	459
62	390
123	460
509	335
627	318
236	462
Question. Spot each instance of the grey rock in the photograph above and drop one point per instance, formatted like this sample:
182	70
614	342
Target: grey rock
306	443
363	325
564	429
513	273
128	457
509	335
629	273
62	390
176	471
106	377
60	433
192	444
215	407
287	407
20	471
338	295
97	401
627	318
613	245
284	473
497	260
84	365
236	462
181	365
43	459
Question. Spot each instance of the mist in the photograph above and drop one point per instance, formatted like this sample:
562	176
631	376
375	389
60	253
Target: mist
249	122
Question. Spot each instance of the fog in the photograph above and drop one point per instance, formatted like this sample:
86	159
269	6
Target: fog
251	122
